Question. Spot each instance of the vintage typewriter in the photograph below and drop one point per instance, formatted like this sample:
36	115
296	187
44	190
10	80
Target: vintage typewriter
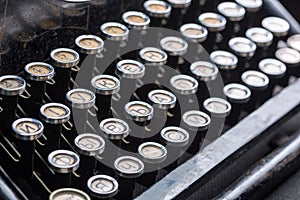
174	99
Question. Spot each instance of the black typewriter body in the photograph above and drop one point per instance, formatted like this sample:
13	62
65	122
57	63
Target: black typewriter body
91	93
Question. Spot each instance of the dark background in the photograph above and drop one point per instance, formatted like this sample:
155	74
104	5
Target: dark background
293	6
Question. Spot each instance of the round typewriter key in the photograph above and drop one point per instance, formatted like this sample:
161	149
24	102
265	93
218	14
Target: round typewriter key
242	46
180	3
272	67
128	169
157	9
130	69
278	26
152	152
238	95
194	32
244	49
206	73
262	37
102	186
136	20
80	98
114	129
196	121
184	84
39	71
215	23
275	70
139	111
114	31
174	46
175	138
217	107
63	60
291	58
258	83
105	86
88	145
294	42
162	99
227	63
54	115
68	193
10	87
153	56
26	131
232	11
250	5
89	44
63	162
212	21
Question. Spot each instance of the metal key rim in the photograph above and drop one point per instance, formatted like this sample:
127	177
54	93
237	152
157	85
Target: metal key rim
262	86
153	160
140	118
213	27
62	64
113	135
224	113
60	168
234	99
273	61
91	50
232	16
56	193
204	77
115	37
86	151
136	25
106	91
285	26
39	77
184	91
133	75
158	14
161	105
242	52
55	120
125	174
27	136
174	143
192	126
224	66
173	51
83	105
147	61
199	38
12	91
250	7
259	42
107	194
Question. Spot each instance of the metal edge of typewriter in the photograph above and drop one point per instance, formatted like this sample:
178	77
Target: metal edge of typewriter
207	161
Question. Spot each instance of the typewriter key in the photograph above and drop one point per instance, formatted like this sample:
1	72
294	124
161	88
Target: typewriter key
105	86
244	49
136	20
128	169
185	86
215	23
279	27
63	162
162	99
114	31
54	115
153	58
196	121
217	107
175	47
291	58
219	110
130	69
275	70
227	63
11	87
263	39
102	186
26	131
238	95
89	44
157	10
139	111
89	145
194	32
294	42
63	59
114	129
68	193
234	13
206	73
80	100
175	138
258	83
153	154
